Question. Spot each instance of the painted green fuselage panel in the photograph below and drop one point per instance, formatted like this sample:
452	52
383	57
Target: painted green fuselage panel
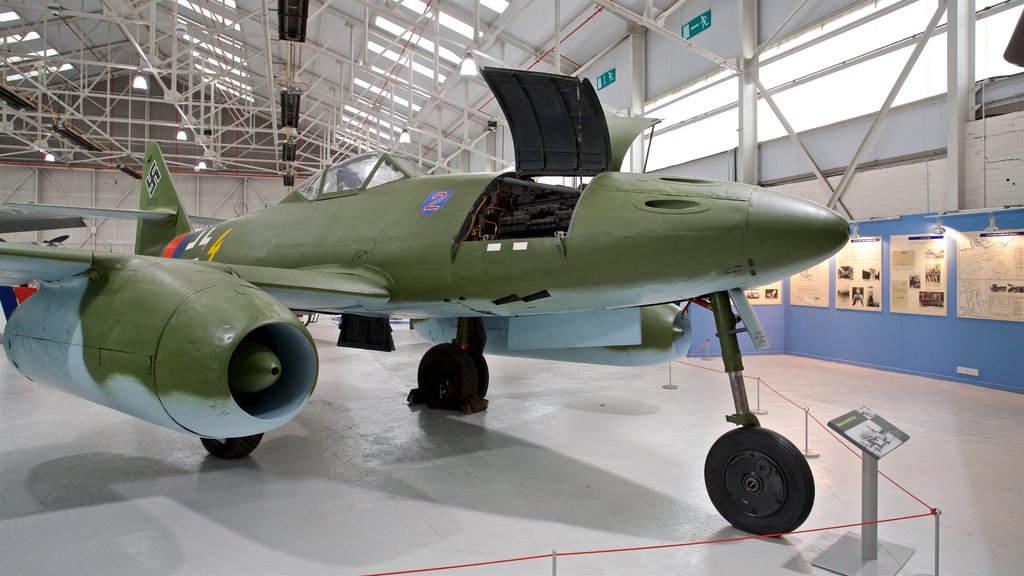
634	240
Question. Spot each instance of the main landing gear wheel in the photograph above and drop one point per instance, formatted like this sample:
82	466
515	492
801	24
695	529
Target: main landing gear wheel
231	448
448	379
759	481
483	375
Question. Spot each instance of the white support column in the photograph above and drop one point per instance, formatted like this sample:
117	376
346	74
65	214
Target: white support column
638	92
959	99
747	144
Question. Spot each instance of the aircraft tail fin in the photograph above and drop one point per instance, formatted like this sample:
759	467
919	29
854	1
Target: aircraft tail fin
158	195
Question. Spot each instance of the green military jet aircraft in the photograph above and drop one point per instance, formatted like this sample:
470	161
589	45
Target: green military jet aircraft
197	330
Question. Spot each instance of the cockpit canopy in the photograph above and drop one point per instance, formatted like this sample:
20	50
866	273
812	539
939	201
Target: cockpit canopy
358	173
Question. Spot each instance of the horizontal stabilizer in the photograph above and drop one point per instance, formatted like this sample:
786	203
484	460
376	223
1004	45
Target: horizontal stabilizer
95	212
24	217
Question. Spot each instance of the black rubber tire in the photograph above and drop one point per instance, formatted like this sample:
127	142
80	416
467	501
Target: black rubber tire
483	375
446	377
759	481
231	448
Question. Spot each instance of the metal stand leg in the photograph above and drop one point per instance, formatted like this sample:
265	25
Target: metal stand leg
869	508
860	556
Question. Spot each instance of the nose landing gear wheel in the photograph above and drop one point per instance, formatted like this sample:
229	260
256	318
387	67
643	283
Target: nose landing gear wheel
231	448
759	481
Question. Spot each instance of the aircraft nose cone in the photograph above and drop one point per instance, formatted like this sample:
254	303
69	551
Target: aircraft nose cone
786	234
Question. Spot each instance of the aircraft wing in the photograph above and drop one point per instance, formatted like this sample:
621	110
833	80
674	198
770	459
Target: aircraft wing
313	289
21	263
24	219
297	289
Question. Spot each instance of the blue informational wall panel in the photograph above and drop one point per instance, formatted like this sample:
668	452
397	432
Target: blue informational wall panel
928	345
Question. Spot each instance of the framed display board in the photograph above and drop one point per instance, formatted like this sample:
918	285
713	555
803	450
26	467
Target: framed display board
767	294
859	275
917	274
990	275
810	287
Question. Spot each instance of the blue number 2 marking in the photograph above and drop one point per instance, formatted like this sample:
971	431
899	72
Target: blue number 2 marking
435	201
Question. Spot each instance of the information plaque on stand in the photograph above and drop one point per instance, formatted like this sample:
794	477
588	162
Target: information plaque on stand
865	554
869	432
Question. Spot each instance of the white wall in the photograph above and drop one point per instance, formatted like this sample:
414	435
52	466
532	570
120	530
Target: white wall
994	178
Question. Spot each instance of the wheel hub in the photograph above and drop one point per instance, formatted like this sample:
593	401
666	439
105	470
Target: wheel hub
755	484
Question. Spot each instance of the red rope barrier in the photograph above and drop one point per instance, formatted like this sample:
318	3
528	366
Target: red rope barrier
648	548
931	512
823	427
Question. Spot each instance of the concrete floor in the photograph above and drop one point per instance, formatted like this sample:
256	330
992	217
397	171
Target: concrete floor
567	458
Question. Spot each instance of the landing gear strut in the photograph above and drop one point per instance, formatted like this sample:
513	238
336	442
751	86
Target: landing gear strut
756	478
454	376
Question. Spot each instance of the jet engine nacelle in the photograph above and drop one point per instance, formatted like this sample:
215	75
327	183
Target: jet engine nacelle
628	337
188	347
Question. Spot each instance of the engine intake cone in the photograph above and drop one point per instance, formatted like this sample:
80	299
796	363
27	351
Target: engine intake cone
254	368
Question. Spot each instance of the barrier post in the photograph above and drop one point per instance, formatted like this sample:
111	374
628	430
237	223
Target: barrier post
807	435
757	410
670	385
554	562
938	515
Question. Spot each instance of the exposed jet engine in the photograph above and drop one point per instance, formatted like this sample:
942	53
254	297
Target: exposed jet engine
190	348
627	337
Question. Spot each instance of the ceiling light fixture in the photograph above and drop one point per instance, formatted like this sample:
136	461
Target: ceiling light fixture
50	157
854	230
181	134
939	229
404	138
200	166
468	67
140	82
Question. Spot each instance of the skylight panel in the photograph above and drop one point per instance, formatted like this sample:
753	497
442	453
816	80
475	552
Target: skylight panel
211	14
416	66
361	114
15	38
447	20
498	6
38	54
214	49
9	16
456	25
396	30
376	90
34	73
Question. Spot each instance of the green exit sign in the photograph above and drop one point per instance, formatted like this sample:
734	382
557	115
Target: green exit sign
606	79
697	25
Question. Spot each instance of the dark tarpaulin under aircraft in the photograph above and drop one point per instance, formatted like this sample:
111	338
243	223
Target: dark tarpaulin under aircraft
197	330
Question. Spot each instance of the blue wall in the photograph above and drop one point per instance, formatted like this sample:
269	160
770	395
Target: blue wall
927	345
